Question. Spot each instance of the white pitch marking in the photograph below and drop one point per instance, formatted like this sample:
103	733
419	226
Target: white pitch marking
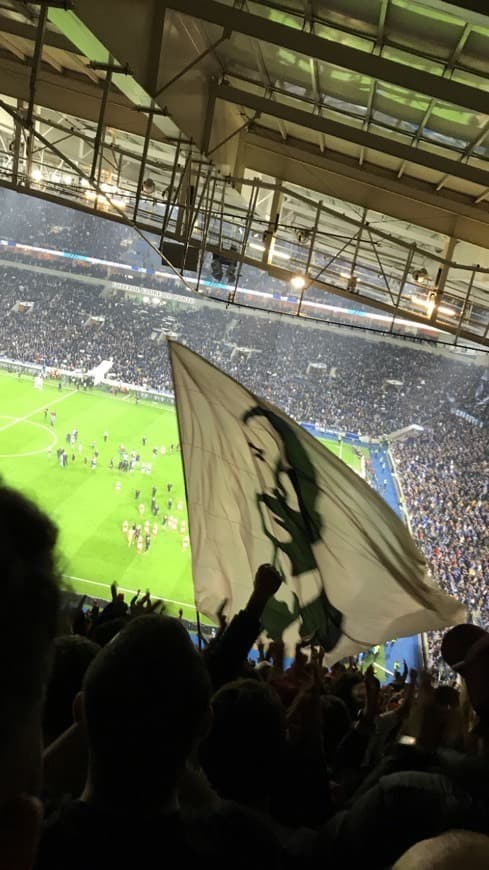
123	589
386	671
37	411
50	432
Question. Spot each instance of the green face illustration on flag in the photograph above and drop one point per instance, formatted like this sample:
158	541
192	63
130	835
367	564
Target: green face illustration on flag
261	489
287	505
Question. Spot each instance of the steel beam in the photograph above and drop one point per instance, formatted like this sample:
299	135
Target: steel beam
17	143
266	80
36	65
474	11
443	276
99	135
12	47
194	62
209	118
244	126
66	94
332	52
144	157
301	164
465	305
275	210
15	27
364	139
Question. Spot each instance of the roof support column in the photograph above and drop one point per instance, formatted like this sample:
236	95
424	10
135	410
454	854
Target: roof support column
101	124
144	157
270	232
405	274
442	276
17	142
466	304
36	65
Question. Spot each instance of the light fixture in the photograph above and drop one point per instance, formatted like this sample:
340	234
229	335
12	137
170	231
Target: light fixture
56	176
280	255
298	282
257	247
36	174
445	309
149	186
430	303
421	276
302	235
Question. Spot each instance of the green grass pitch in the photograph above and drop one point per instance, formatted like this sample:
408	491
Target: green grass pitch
88	507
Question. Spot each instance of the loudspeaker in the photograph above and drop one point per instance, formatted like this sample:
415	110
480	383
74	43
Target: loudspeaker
176	254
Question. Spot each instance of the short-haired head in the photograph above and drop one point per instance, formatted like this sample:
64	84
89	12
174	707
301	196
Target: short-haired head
30	595
449	851
145	699
239	708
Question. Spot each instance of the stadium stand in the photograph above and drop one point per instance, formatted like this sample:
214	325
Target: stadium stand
129	738
305	763
341	381
298	762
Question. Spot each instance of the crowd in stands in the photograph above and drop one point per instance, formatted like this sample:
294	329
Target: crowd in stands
125	745
344	382
337	380
445	479
155	752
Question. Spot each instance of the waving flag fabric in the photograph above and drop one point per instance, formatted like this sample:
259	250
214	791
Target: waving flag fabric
262	489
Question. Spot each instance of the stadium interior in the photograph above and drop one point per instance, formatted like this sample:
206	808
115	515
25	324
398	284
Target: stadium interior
297	191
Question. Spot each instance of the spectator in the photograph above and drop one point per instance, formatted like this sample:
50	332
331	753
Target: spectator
450	851
28	618
144	708
238	708
71	658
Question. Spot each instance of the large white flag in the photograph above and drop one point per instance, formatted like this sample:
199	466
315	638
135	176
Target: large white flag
262	489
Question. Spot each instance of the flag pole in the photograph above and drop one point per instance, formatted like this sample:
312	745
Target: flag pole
197	614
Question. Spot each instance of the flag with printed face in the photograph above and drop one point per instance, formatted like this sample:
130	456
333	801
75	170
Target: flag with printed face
261	489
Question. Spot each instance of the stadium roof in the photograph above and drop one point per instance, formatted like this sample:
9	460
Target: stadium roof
345	142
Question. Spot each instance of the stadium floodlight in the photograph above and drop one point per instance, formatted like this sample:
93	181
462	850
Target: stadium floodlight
445	309
298	282
36	174
257	247
280	255
430	304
